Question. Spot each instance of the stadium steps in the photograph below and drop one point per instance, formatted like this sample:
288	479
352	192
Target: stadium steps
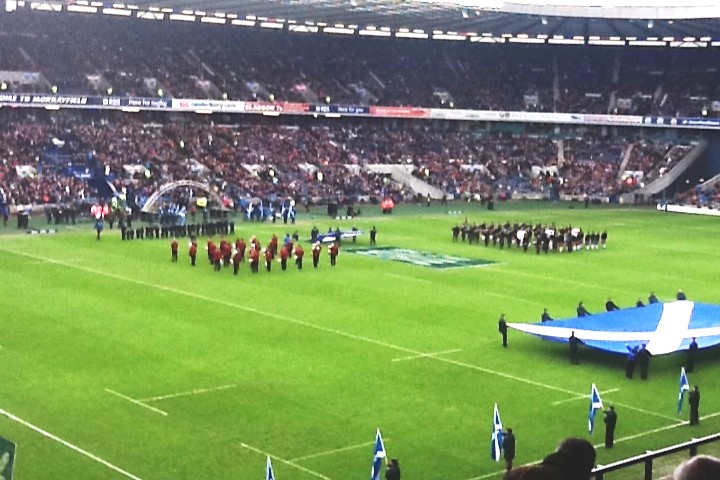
625	160
669	178
402	174
710	182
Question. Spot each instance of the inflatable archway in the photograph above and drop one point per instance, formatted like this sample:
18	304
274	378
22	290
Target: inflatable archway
150	205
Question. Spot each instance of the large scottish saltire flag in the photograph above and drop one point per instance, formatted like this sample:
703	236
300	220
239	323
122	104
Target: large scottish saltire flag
684	387
269	474
663	327
595	405
497	436
379	454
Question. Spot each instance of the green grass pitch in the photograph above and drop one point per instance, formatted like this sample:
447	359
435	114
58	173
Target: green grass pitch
305	366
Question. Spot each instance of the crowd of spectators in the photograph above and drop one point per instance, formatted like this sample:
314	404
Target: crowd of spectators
52	157
140	58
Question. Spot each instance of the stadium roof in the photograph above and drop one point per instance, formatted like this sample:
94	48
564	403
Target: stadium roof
528	19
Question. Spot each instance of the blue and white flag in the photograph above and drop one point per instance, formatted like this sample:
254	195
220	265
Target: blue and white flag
684	387
378	456
595	405
269	474
497	436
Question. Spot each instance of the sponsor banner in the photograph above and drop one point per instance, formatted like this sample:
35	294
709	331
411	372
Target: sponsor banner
214	105
400	112
700	122
261	107
421	259
7	458
340	109
148	103
38	99
295	107
691	209
80	101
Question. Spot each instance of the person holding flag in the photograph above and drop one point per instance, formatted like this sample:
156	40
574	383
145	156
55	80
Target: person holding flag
595	405
684	387
269	474
393	470
379	455
508	446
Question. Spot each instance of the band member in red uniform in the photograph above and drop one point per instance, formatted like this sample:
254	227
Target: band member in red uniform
217	259
268	258
240	246
274	244
236	259
226	250
193	252
333	250
174	249
316	249
211	250
254	259
299	254
284	254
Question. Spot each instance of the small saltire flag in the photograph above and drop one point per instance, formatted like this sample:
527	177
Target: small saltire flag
379	455
595	405
269	474
684	387
497	436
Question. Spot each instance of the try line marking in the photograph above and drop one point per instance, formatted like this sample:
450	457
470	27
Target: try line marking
337	450
286	462
136	402
584	397
295	321
68	444
195	391
426	355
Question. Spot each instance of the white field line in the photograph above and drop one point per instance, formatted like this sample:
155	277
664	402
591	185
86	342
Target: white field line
412	279
426	355
408	351
136	402
332	452
68	445
196	391
286	462
584	397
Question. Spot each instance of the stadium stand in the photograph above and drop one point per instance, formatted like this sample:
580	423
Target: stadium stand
198	61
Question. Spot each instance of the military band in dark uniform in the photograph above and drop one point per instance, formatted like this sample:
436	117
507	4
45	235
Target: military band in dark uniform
545	238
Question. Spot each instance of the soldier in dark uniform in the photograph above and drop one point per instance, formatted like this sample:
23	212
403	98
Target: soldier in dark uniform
455	233
373	236
639	303
643	360
610	305
545	317
631	361
694	401
582	311
692	353
508	447
574	343
610	422
393	470
652	298
503	328
680	295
